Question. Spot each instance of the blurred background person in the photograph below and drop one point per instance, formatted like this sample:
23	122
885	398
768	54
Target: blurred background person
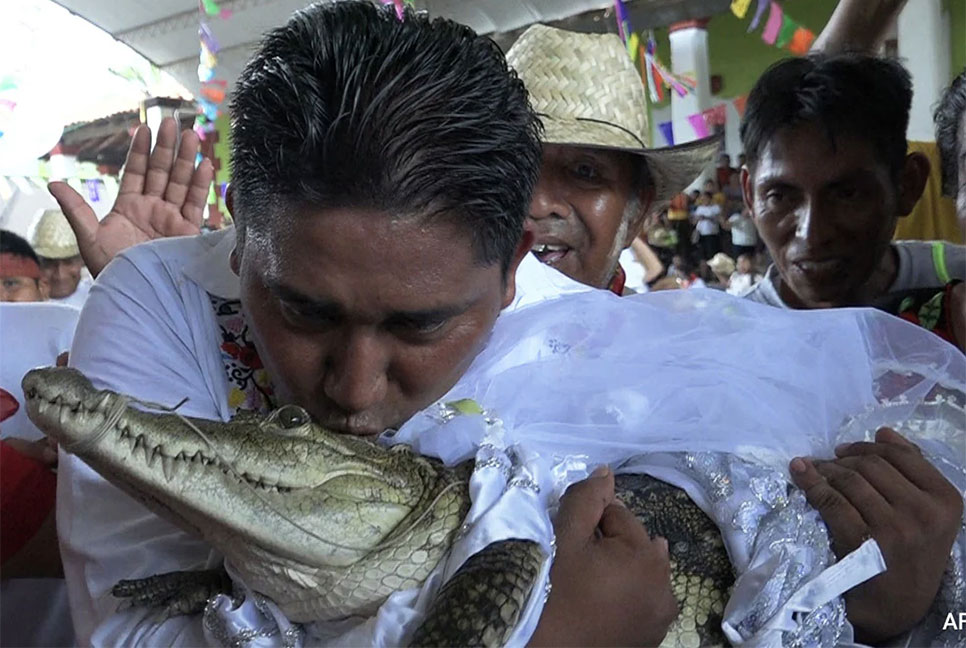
707	226
21	279
745	277
60	259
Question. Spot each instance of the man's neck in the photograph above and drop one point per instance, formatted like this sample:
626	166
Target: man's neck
881	280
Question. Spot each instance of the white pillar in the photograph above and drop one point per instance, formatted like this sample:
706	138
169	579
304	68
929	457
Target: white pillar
689	56
923	30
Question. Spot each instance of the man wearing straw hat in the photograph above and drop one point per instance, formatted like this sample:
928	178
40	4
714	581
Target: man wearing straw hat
60	259
599	176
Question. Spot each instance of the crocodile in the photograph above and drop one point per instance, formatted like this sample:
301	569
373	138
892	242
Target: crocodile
328	525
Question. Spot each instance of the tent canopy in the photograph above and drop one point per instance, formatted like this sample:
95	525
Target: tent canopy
166	33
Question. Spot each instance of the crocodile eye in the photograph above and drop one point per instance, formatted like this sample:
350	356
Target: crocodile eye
291	416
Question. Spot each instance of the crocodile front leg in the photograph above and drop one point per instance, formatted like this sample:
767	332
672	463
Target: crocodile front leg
183	592
482	603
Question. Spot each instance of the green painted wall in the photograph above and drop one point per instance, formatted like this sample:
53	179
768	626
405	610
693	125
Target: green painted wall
740	58
957	34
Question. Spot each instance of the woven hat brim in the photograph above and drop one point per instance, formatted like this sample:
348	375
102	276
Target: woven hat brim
57	251
673	168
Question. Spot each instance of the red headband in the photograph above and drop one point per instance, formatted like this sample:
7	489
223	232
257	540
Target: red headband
14	265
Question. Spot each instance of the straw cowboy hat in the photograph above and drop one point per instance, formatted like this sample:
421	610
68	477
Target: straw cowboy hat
722	264
587	92
53	238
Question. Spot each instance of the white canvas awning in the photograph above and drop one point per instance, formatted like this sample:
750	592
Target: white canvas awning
166	31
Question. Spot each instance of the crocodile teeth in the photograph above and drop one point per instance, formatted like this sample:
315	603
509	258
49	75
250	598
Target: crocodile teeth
167	467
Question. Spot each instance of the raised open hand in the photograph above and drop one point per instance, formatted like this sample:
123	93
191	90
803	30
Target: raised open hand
161	195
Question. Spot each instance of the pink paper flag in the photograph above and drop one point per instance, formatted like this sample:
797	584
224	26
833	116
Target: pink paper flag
699	125
774	24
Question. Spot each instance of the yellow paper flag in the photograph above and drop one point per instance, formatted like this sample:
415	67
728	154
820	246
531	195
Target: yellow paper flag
633	41
740	7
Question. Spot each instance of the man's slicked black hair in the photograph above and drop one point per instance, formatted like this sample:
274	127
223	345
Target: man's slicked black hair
16	245
347	106
949	115
847	94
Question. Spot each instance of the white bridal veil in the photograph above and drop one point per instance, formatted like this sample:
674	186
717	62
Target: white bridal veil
710	393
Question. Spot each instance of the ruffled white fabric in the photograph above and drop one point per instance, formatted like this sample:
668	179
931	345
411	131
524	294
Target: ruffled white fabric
707	392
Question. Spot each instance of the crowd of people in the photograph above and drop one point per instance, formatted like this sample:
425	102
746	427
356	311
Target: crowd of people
331	291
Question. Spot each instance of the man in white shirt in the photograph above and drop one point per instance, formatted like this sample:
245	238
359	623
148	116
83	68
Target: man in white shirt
827	179
60	259
372	253
744	234
707	215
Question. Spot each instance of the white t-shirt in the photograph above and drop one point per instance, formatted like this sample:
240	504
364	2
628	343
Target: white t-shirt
743	230
634	270
740	283
34	334
79	296
917	269
707	216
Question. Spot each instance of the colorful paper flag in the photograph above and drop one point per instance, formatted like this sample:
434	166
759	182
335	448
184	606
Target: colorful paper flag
699	125
802	41
623	22
212	93
740	7
759	12
207	37
205	73
786	32
207	57
400	6
93	190
667	130
774	24
715	116
632	46
740	104
659	83
211	7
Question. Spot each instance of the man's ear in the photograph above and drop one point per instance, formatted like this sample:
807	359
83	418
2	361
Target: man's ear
234	261
912	182
510	279
747	189
43	287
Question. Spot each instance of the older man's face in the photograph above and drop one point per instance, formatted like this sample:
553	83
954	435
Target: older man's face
62	275
580	214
